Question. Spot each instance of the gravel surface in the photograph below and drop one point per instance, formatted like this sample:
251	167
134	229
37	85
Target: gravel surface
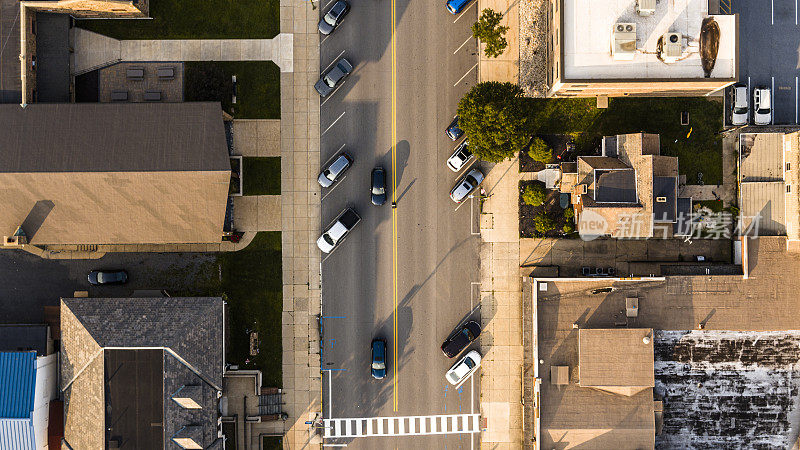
533	47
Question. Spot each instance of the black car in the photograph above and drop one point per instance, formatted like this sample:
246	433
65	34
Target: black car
328	82
452	131
378	359
459	341
334	17
378	186
103	277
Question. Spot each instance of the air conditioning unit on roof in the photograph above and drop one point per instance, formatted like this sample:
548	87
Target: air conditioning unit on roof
672	47
623	45
645	7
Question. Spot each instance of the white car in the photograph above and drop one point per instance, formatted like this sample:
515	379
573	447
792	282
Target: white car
762	105
740	110
337	231
460	157
464	368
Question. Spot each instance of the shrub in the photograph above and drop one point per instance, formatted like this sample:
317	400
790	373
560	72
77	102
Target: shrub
543	223
490	32
569	213
540	151
568	227
534	194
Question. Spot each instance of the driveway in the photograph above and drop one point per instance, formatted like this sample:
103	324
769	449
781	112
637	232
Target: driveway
769	36
27	282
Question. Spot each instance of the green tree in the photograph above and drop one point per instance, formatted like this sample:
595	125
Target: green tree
543	223
540	151
534	194
493	119
490	32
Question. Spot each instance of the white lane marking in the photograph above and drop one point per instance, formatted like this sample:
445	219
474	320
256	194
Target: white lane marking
772	94
327	2
330	392
471	215
334	123
462	45
335	60
324	39
465	75
772	5
463	201
465	10
330	96
795	12
332	189
439	424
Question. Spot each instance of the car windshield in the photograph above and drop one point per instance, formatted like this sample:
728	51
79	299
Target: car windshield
469	362
329	81
472	181
377	365
328	239
328	174
740	110
329	19
378	190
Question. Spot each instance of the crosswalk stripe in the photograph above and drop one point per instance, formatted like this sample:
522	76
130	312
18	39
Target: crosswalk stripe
397	426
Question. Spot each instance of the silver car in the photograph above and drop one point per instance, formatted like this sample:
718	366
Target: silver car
328	82
335	169
466	185
740	111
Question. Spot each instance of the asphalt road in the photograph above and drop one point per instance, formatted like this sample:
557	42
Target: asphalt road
437	243
769	38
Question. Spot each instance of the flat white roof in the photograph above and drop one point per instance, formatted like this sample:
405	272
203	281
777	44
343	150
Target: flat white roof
588	38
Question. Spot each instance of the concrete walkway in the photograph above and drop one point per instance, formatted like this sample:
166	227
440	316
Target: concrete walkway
257	137
93	51
506	66
501	340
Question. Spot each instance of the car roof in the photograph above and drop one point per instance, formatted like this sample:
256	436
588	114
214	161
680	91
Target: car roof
337	231
339	164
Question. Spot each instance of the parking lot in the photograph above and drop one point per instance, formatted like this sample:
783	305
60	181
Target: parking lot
27	282
769	37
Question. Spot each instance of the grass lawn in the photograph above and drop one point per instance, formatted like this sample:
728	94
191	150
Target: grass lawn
272	443
714	205
700	151
252	283
258	87
193	19
262	176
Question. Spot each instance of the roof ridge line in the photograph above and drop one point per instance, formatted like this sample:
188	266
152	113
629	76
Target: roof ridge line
91	360
192	368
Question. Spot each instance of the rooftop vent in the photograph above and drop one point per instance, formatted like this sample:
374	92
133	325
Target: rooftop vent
624	45
672	47
645	7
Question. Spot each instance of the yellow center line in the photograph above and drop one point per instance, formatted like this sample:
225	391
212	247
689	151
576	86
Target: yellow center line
394	208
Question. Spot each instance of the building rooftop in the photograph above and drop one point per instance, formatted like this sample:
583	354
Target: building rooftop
665	194
615	186
23	338
17	384
615	358
588	40
112	347
114	174
743	359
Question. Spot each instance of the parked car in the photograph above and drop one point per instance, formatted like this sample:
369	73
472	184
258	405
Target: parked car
378	186
464	368
334	17
739	109
460	157
459	341
103	277
328	81
762	106
452	131
378	367
337	231
335	169
466	185
455	6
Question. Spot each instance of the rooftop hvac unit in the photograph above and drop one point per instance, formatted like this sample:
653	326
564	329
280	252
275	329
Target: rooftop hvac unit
672	47
623	46
645	7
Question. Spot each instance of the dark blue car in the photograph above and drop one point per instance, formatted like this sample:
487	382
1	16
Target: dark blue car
455	6
453	131
379	359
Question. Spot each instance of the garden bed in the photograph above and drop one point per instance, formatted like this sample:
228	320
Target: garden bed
557	142
551	208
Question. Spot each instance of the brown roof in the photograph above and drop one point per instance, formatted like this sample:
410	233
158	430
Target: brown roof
615	357
114	173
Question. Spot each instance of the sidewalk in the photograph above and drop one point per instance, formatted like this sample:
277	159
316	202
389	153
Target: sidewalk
501	340
506	66
93	50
